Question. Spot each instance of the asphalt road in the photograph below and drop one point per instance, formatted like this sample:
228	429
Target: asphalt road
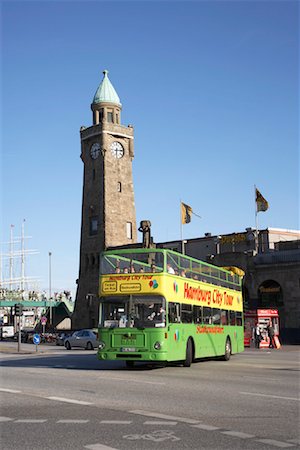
55	399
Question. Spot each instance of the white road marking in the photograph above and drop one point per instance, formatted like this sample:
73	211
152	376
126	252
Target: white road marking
294	441
159	422
238	434
68	400
275	443
260	378
270	396
5	419
72	421
202	426
12	391
132	380
31	420
117	422
163	416
99	447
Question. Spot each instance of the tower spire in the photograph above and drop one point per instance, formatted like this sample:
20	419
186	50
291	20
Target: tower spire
106	93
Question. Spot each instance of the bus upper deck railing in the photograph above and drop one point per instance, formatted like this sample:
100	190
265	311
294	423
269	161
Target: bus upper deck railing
167	261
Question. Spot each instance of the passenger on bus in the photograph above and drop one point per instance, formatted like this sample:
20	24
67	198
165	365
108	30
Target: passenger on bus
182	273
170	269
125	270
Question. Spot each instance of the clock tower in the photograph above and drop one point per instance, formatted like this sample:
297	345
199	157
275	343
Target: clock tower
108	210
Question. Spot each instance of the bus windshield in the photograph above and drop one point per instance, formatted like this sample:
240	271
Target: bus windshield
133	311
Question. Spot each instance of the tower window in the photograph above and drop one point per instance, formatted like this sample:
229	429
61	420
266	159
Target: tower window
94	174
117	118
119	186
129	230
93	225
110	117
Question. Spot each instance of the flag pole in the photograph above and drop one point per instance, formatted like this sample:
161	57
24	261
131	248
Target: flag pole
180	218
256	221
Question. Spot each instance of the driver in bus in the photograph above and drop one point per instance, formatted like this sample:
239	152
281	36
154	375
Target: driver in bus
157	314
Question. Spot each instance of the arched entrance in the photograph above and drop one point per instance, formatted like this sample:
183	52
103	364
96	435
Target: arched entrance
270	295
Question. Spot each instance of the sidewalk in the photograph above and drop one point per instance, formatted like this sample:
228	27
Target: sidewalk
11	347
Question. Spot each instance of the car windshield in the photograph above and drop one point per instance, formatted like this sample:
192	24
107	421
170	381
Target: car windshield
133	311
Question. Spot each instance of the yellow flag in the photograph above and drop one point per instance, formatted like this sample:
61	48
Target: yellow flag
186	213
261	202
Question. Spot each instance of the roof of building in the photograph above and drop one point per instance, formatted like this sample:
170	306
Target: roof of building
106	92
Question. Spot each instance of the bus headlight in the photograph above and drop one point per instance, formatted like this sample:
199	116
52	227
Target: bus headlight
157	345
101	345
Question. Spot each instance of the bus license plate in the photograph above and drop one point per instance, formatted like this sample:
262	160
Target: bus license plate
128	349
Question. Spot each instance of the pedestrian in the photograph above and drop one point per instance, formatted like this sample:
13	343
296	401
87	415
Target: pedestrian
257	336
271	334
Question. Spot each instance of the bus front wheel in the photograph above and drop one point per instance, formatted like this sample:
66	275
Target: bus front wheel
227	353
188	354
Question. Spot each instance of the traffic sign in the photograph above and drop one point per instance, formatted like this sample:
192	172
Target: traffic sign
43	320
36	339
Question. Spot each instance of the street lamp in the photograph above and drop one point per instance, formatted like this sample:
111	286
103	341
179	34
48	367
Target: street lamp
50	299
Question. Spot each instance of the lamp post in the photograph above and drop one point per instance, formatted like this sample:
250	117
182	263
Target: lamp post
50	294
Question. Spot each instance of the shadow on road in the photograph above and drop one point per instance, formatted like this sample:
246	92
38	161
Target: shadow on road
76	362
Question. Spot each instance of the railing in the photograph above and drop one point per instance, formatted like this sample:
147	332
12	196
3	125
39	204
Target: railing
32	299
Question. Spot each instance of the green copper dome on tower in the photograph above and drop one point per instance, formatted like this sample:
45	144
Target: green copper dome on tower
106	92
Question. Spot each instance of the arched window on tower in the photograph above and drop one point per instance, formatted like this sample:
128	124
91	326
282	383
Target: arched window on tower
110	116
94	221
129	230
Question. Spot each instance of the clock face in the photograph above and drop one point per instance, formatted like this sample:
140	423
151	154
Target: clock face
95	150
117	150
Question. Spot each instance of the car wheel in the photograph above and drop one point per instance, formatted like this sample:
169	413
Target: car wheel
89	346
68	345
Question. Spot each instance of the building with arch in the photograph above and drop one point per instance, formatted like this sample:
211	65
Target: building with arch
272	275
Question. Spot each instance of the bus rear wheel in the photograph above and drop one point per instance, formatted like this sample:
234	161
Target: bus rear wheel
227	353
188	354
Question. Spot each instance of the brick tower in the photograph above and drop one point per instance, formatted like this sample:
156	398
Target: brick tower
108	209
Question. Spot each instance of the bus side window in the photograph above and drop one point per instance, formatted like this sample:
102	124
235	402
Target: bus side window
174	316
239	318
224	317
186	313
207	315
232	317
197	313
216	316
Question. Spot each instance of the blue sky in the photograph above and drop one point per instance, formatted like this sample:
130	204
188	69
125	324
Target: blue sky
211	88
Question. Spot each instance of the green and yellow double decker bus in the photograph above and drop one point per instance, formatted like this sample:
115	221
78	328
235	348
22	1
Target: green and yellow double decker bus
158	305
